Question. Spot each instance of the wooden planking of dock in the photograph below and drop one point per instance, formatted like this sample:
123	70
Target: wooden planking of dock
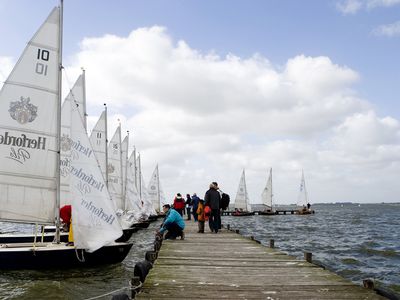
229	266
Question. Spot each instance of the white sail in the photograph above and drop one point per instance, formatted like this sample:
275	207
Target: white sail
302	199
266	196
154	190
147	203
242	198
94	221
98	139
124	157
115	169
133	203
75	97
29	103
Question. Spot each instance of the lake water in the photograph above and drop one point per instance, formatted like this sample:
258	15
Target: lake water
357	242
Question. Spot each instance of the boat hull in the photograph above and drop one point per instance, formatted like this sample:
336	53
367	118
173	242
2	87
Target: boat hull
143	224
53	256
127	233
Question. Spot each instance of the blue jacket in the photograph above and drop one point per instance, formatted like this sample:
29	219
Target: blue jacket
172	217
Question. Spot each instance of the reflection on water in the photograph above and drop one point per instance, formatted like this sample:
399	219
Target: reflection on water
357	242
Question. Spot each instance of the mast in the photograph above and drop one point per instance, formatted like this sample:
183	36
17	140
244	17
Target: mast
120	164
106	144
84	100
245	189
270	174
158	190
126	171
140	178
58	146
135	167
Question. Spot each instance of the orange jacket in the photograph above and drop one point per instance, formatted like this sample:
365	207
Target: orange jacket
200	212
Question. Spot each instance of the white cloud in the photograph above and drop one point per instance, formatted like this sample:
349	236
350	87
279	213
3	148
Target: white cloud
389	30
353	6
349	6
204	117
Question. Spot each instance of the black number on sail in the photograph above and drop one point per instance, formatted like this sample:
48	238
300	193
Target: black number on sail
41	68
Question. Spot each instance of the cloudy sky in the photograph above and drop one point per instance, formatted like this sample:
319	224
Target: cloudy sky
209	88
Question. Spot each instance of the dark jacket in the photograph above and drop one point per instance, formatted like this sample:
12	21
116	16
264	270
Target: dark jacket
212	198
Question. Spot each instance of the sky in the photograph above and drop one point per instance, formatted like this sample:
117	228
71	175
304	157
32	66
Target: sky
209	88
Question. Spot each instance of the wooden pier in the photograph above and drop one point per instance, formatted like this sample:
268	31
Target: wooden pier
229	266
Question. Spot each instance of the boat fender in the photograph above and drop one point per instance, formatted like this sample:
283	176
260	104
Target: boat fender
157	246
387	294
151	256
141	269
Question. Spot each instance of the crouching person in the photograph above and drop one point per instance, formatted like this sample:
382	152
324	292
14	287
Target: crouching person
173	224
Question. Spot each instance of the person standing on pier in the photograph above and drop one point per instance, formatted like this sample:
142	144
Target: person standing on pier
188	207
173	224
212	198
179	204
195	204
201	215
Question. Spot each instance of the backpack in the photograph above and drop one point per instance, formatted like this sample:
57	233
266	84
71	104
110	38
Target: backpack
225	201
207	212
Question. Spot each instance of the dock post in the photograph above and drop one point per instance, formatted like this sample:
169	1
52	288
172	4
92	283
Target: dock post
308	257
228	226
237	231
369	284
272	243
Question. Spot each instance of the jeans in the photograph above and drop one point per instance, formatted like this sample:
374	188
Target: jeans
173	230
215	220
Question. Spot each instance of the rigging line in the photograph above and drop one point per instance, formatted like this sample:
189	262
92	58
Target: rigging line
69	85
130	287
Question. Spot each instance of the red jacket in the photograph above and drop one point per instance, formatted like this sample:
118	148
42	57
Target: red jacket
179	203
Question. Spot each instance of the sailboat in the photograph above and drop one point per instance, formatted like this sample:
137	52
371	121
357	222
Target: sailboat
155	192
303	202
242	202
266	197
30	131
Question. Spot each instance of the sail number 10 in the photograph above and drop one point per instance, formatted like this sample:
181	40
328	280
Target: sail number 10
41	67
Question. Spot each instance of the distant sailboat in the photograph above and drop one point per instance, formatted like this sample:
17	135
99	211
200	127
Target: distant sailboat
303	200
30	131
242	202
266	197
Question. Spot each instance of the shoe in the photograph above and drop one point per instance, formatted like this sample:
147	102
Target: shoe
183	235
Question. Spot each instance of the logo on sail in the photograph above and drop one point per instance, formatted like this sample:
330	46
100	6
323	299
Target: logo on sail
22	111
65	143
110	168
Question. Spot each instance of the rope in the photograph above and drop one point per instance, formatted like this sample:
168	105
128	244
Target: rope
129	288
77	255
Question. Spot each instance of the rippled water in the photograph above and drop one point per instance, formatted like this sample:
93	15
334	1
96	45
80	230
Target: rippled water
75	283
356	242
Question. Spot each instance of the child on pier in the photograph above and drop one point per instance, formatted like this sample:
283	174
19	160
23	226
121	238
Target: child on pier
201	217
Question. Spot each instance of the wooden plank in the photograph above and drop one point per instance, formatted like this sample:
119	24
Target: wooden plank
229	266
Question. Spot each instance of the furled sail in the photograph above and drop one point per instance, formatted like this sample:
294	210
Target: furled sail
28	130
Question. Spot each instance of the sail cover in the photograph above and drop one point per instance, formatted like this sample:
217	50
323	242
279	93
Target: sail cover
94	221
28	130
